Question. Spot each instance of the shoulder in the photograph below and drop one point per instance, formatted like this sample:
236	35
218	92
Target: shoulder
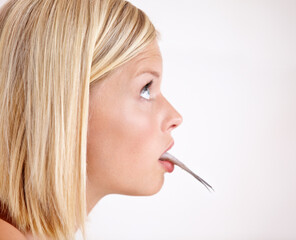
10	232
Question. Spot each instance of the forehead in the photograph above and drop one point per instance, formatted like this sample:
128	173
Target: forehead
151	52
149	59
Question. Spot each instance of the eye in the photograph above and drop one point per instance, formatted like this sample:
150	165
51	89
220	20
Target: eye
145	92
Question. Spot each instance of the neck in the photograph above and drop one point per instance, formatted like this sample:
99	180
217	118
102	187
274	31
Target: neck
93	196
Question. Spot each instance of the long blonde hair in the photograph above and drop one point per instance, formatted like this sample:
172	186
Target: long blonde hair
51	53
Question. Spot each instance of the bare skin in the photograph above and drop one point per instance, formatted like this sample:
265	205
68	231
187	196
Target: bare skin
128	130
128	133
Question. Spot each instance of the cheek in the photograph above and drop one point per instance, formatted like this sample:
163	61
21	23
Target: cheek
134	135
138	169
139	133
121	147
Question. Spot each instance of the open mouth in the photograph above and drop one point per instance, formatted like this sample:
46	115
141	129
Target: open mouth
168	165
168	162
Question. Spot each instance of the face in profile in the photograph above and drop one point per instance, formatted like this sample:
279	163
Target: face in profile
130	125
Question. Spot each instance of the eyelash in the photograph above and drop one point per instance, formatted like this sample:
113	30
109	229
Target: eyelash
147	87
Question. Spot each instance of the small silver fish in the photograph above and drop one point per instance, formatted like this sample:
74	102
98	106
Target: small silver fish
171	158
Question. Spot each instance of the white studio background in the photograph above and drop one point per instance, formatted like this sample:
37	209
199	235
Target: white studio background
230	70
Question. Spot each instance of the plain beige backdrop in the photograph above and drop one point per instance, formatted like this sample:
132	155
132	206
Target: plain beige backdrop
230	70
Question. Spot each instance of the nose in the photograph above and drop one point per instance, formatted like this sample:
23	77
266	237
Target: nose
173	118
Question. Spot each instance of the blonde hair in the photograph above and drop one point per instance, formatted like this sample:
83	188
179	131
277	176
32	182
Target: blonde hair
51	53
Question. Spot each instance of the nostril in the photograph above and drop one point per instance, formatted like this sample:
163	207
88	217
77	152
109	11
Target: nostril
173	126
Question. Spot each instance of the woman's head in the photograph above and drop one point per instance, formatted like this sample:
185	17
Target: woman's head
57	58
129	128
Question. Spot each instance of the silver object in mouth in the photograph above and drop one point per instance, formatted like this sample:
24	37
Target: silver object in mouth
171	158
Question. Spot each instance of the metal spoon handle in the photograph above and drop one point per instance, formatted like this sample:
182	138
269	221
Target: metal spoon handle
174	160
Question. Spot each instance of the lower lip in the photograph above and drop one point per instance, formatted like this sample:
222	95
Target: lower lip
168	166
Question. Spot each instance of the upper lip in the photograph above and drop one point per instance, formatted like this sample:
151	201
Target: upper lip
170	146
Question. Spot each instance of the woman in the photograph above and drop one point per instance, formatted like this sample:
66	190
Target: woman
81	114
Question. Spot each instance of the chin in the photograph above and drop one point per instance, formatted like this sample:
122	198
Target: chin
149	189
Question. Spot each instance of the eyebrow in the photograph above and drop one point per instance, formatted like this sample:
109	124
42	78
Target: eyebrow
156	74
